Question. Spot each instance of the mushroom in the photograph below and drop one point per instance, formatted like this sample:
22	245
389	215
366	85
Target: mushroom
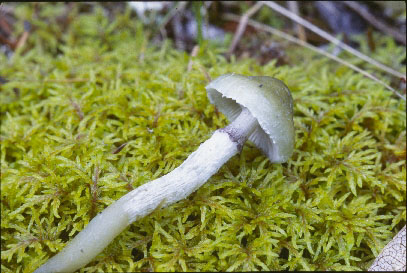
261	110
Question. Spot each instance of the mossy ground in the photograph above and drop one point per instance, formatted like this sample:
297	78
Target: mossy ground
94	112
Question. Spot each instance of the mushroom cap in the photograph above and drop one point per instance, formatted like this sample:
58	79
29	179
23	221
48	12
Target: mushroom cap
269	100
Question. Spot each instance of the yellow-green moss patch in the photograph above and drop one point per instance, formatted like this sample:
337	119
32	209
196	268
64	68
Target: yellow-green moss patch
90	114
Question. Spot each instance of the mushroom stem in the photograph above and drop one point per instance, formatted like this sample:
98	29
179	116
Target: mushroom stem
166	190
240	129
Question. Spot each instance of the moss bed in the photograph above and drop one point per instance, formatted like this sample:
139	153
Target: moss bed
92	111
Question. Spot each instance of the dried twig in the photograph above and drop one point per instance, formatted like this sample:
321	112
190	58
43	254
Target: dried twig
77	108
118	149
206	74
21	42
60	80
73	80
194	52
309	46
179	7
94	190
293	7
380	25
331	38
242	27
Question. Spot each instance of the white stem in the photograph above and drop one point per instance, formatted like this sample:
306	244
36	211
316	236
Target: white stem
166	190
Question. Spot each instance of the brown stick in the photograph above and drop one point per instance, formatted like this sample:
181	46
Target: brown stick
293	7
242	27
193	54
380	25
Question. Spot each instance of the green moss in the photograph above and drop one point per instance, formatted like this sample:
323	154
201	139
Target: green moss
90	114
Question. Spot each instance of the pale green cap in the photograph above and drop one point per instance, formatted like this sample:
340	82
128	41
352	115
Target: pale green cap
269	100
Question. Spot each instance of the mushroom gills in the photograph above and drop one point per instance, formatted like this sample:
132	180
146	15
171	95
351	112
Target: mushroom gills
269	101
